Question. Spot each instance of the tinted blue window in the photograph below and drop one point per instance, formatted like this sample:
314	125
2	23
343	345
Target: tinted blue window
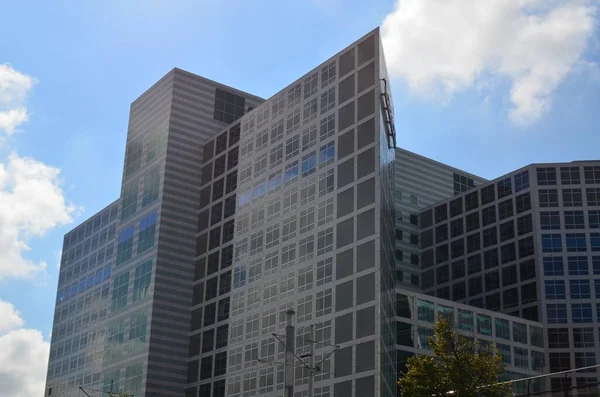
578	265
556	313
580	289
551	243
576	242
595	241
581	312
553	266
555	289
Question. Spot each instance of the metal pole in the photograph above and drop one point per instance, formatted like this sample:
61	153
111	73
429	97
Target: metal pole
311	373
290	348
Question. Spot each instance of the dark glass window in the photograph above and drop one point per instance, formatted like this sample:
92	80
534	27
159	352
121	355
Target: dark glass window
212	288
558	338
593	196
456	207
488	215
442	274
218	186
475	287
456	227
507	231
509	275
548	198
228	231
471	201
220	363
581	312
576	242
228	107
550	220
457	248
234	134
458	291
546	176
427	280
510	297
487	195
205	197
223	309
214	238
592	174
414	259
206	368
570	176
231	184
524	225
443	293
210	313
505	209
442	254
523	202
213	263
222	336
473	242
441	213
526	247
490	258
225	283
492	302
492	281
574	220
230	205
441	233
553	266
572	197
504	187
521	181
426	218
490	237
474	264
232	157
472	221
220	166
458	269
208	340
414	239
414	219
508	253
529	293
551	243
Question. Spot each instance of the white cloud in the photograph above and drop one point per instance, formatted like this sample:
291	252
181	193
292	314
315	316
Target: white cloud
23	356
31	203
442	47
10	318
14	87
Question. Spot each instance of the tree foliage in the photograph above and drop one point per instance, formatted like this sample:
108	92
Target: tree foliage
458	368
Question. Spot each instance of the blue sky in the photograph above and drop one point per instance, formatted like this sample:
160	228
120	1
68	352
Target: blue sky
456	85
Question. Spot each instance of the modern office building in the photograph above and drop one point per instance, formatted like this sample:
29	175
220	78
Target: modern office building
526	244
419	183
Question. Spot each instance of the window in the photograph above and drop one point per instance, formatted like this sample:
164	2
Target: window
327	127
504	187
521	358
328	74
326	182
555	289
558	338
570	176
309	137
488	215
425	311
276	132
581	312
524	225
260	165
456	227
151	186
129	201
456	207
585	359
305	278
502	328
592	174
306	249
523	202
307	192
560	362
580	289
125	245
583	337
472	221
507	231
572	198
593	196
578	266
556	313
239	276
327	100
311	84
120	288
525	248
548	198
553	266
508	253
505	209
546	176
294	95
595	241
141	282
290	199
576	242
291	172
325	211
137	326
594	219
147	233
307	220
292	147
325	241
551	243
521	181
310	110
326	154
323	303
550	220
324	271
484	324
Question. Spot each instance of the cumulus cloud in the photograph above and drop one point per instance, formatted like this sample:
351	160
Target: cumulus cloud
14	87
31	203
442	47
23	356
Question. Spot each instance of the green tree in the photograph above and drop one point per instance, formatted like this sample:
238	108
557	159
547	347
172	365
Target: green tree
458	368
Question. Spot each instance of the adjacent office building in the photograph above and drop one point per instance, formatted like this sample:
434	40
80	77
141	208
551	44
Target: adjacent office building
526	244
